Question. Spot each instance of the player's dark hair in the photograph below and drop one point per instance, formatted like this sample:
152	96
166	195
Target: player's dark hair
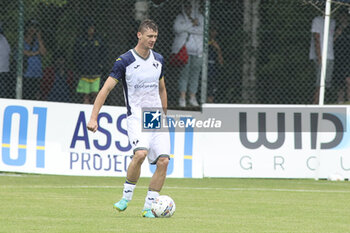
148	24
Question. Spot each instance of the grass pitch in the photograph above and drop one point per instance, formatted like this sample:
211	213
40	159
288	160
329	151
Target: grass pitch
43	203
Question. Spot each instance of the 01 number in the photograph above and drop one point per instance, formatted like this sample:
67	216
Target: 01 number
22	112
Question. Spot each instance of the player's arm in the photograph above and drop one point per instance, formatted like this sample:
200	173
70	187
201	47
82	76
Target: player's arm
100	100
163	94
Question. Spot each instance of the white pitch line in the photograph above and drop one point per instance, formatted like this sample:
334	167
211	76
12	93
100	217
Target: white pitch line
176	187
12	174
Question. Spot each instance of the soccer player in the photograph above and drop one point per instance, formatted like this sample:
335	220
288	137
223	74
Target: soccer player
140	70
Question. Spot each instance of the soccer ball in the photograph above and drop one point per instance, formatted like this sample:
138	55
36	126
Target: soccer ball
163	207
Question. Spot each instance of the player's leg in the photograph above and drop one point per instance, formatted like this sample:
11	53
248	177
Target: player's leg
156	185
159	155
133	175
140	146
157	180
134	169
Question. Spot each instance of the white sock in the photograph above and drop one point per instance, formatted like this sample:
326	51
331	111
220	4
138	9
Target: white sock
151	196
128	191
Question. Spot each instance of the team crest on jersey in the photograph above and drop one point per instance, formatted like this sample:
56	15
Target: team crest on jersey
156	64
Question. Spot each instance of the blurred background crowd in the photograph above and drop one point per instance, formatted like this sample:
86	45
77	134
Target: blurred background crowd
251	52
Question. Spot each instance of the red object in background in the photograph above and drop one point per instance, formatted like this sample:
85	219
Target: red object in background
179	59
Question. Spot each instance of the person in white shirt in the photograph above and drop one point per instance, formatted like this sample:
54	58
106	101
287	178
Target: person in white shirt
315	54
188	28
5	51
140	70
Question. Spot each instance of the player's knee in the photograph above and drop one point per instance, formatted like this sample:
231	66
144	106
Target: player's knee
140	156
163	162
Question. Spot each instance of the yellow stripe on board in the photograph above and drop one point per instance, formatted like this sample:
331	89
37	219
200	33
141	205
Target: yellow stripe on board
40	147
187	156
19	146
172	156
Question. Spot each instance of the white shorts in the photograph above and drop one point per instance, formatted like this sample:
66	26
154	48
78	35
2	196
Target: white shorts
156	142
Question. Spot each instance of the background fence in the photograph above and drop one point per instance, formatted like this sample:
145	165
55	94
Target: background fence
264	44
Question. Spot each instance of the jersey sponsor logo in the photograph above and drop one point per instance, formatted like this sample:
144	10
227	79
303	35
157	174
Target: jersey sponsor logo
152	119
145	85
135	67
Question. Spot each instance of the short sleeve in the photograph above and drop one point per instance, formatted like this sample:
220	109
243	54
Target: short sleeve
118	70
160	59
162	70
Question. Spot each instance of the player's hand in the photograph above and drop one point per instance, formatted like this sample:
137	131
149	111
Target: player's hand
92	125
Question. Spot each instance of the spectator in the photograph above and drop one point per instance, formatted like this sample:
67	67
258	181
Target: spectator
5	51
34	48
342	51
214	58
188	29
141	10
57	82
315	54
89	57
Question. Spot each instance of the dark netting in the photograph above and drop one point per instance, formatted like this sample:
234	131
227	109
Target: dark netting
258	51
